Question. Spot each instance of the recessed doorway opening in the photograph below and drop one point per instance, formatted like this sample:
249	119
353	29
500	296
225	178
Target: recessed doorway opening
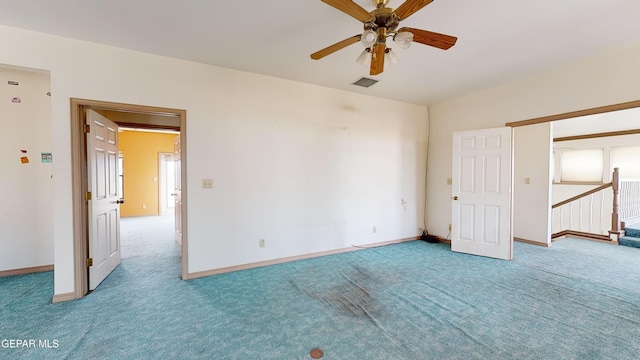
125	115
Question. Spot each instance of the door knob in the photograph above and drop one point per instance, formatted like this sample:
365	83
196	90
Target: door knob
120	201
455	198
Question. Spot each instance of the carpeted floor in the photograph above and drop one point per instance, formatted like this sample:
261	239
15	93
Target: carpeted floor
576	300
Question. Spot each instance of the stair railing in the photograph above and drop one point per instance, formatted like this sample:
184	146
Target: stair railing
629	201
585	215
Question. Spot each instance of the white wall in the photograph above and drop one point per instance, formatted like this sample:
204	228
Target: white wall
26	238
531	206
608	79
307	168
620	120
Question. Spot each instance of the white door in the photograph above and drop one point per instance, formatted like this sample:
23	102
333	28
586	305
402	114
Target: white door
104	203
481	193
177	193
167	178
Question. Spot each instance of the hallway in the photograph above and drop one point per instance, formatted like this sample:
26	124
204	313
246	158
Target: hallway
148	236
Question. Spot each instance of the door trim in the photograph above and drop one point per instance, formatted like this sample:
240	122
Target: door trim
573	114
80	185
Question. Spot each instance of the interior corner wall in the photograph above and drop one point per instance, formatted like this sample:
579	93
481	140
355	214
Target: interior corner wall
307	168
140	156
26	236
607	79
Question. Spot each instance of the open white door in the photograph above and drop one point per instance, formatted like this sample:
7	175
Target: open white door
481	193
103	203
166	181
177	193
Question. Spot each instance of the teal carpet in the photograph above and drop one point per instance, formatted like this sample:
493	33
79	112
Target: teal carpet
576	300
632	236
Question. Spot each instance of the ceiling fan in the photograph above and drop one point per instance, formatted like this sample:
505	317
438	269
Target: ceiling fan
380	24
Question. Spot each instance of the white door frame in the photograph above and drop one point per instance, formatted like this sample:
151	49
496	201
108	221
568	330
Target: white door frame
80	185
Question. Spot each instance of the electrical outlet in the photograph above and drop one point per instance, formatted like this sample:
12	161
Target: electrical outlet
375	229
261	242
449	181
144	206
207	183
450	227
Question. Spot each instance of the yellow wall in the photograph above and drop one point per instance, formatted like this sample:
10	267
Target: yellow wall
140	151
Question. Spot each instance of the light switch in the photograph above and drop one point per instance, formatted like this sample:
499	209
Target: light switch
449	181
527	181
207	183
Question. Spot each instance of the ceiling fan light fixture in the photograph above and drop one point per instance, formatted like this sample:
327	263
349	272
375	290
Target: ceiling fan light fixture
379	25
403	39
364	58
390	57
369	37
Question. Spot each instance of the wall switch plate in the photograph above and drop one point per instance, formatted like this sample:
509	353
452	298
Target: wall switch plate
449	181
375	229
207	183
527	181
261	243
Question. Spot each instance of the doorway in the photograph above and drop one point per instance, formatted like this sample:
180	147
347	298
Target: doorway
528	202
143	117
148	188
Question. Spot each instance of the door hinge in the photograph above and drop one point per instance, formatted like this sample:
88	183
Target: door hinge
88	196
89	262
87	128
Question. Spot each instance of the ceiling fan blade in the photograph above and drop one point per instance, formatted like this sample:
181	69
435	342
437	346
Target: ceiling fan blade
335	47
409	7
350	8
431	38
377	59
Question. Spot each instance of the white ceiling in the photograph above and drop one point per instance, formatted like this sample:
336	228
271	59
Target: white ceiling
498	40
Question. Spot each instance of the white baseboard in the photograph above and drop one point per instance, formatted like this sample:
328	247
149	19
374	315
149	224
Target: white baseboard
205	273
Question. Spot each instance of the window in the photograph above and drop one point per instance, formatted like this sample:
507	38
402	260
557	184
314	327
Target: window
627	159
582	165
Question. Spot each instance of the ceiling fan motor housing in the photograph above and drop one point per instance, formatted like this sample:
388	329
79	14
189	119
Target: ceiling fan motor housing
383	18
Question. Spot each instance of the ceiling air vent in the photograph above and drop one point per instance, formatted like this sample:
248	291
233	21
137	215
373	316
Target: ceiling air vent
365	82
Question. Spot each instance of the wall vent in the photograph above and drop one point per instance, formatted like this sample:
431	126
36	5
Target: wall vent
365	82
